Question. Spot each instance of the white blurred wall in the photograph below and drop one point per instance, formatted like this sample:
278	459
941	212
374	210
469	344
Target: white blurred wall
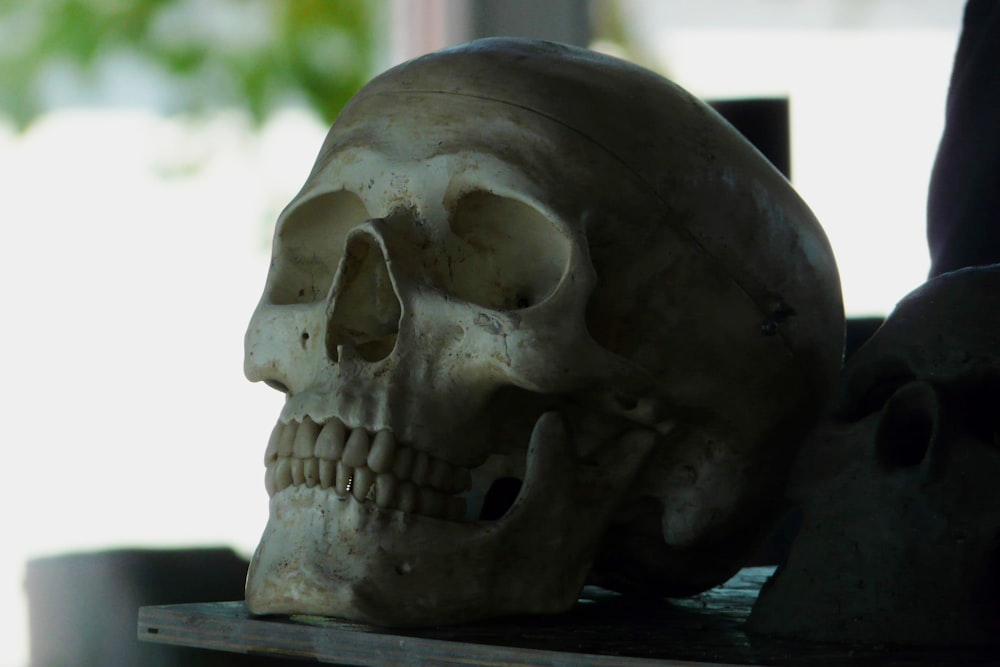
135	248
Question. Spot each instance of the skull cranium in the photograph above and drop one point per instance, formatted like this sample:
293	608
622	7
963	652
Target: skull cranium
530	294
900	537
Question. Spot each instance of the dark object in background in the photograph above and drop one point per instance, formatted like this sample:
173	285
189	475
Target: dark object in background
82	607
963	206
764	122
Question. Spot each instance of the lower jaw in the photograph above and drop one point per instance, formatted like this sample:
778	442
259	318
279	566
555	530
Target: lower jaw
327	555
324	555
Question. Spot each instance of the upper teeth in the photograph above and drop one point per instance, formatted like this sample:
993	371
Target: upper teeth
368	467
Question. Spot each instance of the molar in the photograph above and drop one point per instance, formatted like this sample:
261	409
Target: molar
421	467
407	501
404	463
440	475
430	502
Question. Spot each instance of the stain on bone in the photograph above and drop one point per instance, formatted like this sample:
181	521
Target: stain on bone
779	313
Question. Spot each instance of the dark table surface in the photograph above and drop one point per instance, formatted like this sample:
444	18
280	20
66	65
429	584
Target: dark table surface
603	629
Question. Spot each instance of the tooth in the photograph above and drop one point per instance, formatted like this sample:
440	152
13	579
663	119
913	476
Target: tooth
430	502
462	480
297	476
305	439
356	449
421	466
364	478
269	481
327	473
310	469
407	497
286	440
283	474
385	489
343	479
404	463
382	452
330	442
271	453
455	509
440	475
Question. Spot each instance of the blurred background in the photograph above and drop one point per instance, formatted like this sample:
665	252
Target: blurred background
147	146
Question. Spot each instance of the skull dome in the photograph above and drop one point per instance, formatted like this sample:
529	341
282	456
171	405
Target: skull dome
900	535
538	313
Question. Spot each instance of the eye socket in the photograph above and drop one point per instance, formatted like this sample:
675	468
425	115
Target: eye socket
503	254
309	245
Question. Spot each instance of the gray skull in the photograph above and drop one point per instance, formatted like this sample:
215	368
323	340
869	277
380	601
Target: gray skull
900	541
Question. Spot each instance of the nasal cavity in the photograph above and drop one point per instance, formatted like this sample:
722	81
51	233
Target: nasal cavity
364	308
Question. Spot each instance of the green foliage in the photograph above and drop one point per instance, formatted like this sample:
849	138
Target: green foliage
257	54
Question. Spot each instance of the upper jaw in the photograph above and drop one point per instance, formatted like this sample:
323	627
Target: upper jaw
443	426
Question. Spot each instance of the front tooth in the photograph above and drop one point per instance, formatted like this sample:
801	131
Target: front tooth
327	473
283	474
364	478
421	466
287	440
382	452
269	481
305	439
407	501
310	470
343	478
271	453
440	475
330	442
404	463
297	474
385	489
356	449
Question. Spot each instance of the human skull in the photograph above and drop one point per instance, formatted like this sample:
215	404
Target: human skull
521	265
900	537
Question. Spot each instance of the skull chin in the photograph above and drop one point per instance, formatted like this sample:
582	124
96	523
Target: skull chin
336	550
